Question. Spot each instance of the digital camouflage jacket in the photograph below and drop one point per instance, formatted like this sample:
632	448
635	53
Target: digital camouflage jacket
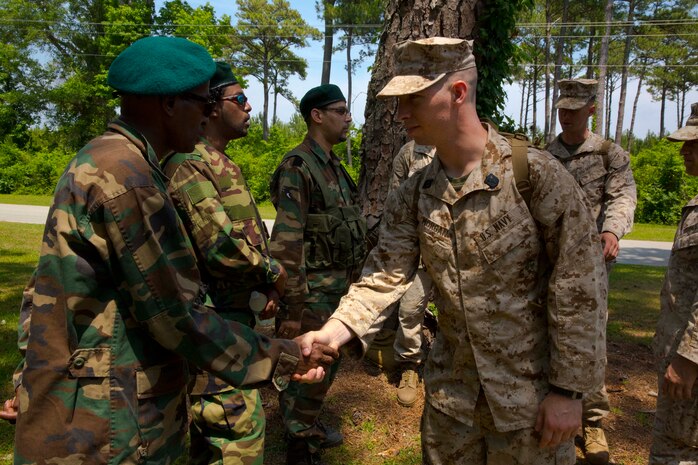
229	237
114	314
606	179
521	293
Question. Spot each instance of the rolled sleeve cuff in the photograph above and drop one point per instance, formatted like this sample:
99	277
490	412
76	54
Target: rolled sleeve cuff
285	368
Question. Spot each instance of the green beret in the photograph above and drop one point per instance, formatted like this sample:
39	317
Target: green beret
320	96
160	66
223	76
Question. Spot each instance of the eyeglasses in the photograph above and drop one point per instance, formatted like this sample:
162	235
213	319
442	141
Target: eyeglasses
209	104
344	111
240	99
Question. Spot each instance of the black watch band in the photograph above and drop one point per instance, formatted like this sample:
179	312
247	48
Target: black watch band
566	392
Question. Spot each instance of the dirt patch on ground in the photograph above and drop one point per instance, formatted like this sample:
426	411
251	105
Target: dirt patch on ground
362	405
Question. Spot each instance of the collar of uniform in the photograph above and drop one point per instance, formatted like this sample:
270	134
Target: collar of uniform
436	182
589	145
317	150
138	140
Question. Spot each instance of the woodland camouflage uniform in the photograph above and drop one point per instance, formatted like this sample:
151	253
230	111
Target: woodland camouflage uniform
231	243
322	255
114	312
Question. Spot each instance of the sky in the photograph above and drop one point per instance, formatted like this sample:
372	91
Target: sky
647	118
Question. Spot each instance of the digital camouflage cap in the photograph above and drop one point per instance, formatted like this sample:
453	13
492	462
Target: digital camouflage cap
575	93
422	63
690	131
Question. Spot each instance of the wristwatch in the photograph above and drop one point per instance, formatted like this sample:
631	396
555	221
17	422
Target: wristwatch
574	395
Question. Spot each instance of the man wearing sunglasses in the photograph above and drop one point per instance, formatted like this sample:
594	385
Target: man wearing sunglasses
232	248
113	311
319	237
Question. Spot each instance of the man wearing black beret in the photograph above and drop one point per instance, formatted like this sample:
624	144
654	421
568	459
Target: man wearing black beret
319	237
113	312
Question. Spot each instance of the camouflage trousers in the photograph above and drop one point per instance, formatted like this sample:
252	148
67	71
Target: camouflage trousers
446	441
227	428
408	338
675	432
595	406
301	404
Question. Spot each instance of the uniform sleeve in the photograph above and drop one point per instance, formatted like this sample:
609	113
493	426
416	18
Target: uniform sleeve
620	197
224	252
577	287
291	197
155	263
23	326
688	344
387	273
401	166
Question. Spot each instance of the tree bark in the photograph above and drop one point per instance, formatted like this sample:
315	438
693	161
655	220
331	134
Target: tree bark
548	19
523	95
558	69
624	73
661	112
603	61
590	53
632	117
329	41
349	82
382	134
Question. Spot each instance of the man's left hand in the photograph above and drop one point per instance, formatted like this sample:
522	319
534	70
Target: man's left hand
559	418
679	378
609	241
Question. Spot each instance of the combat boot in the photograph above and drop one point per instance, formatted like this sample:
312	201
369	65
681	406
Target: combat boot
407	389
298	453
595	444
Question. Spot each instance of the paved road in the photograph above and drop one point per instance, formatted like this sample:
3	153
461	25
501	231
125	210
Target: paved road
631	252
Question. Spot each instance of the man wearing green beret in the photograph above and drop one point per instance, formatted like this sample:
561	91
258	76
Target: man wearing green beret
113	311
319	237
232	249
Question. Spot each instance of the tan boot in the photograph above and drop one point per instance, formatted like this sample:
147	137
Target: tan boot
407	390
595	445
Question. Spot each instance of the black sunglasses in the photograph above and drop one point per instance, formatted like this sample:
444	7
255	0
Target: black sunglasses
343	111
240	99
209	104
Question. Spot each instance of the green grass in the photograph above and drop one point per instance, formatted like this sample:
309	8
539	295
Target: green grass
40	200
267	210
652	232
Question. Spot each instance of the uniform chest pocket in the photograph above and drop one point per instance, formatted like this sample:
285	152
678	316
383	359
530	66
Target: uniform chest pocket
511	230
435	240
589	173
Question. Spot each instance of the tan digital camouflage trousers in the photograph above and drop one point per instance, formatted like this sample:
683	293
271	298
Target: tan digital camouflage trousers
408	338
675	432
227	428
446	441
595	406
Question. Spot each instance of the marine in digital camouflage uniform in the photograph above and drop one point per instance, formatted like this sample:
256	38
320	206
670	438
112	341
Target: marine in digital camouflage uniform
113	310
521	289
232	249
602	170
675	433
410	159
319	237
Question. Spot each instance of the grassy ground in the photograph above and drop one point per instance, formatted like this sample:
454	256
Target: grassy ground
652	232
361	412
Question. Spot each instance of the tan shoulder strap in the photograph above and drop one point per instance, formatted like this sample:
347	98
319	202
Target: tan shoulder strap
519	161
605	147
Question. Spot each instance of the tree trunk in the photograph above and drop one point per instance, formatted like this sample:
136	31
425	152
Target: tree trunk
350	71
624	73
609	101
329	40
603	61
534	116
632	117
661	112
528	100
265	110
590	53
558	70
548	19
382	134
523	96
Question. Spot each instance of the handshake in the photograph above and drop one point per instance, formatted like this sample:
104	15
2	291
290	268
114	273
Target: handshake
316	359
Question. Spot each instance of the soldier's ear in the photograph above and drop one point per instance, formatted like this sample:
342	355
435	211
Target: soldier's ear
167	103
316	115
459	91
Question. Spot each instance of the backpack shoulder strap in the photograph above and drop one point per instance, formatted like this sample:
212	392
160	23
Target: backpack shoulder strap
315	172
605	147
519	161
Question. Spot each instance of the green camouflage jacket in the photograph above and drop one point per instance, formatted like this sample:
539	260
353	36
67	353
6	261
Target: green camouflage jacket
115	312
297	195
230	239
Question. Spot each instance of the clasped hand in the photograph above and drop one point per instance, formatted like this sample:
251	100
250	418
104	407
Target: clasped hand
311	367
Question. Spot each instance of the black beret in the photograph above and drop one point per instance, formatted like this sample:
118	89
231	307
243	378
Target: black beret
160	66
223	76
320	96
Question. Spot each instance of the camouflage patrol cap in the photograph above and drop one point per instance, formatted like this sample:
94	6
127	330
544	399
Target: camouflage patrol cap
160	65
575	93
422	63
690	131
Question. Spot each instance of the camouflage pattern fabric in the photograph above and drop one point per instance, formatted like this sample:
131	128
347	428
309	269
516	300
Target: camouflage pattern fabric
312	295
610	191
410	159
227	428
482	443
521	293
115	312
675	434
232	248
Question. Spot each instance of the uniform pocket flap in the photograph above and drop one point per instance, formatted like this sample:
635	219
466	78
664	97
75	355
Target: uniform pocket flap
590	173
160	379
90	363
201	191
